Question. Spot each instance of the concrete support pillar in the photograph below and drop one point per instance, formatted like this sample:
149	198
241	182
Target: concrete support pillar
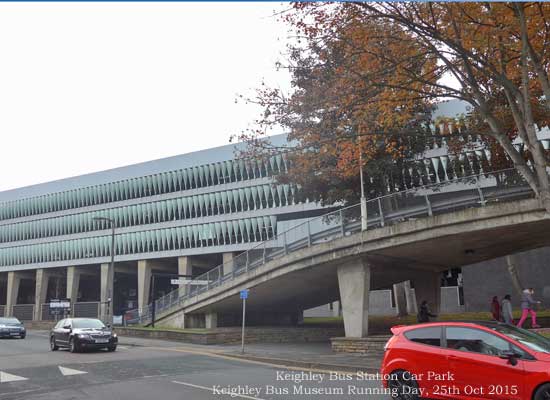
184	268
211	320
400	299
12	292
40	292
144	282
354	284
107	281
228	263
336	309
412	307
73	284
427	287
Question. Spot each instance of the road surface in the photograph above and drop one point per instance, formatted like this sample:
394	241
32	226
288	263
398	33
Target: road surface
150	370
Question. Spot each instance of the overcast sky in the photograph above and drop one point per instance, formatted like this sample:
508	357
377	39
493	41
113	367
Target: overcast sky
91	86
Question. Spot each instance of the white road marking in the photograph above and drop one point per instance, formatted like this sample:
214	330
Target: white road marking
5	377
210	390
68	371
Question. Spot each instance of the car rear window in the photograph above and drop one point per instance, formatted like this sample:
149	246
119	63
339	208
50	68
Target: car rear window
430	336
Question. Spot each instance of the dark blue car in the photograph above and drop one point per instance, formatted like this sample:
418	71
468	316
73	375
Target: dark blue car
12	327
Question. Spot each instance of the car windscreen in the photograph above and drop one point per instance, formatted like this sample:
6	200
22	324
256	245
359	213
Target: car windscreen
88	323
9	321
532	340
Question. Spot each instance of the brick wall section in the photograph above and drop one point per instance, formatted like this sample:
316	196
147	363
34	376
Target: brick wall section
233	335
372	344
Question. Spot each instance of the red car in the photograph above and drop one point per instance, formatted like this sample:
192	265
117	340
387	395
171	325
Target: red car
466	360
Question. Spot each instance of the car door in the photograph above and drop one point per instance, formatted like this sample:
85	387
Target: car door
424	356
478	371
64	332
56	332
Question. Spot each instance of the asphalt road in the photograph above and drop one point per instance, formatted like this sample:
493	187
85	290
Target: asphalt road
150	370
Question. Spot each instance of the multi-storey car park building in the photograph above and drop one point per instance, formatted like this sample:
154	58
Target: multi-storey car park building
179	215
182	215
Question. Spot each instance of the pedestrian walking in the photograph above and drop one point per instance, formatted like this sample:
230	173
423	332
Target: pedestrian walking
528	304
495	308
424	313
506	310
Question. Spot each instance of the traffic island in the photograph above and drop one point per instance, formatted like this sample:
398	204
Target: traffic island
370	344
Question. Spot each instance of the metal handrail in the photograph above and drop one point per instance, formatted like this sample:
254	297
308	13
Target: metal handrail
215	277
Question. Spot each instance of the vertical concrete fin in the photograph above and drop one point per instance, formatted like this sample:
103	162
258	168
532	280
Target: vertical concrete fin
144	282
40	292
354	284
13	291
427	287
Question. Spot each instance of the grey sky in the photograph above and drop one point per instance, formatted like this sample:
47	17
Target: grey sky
91	86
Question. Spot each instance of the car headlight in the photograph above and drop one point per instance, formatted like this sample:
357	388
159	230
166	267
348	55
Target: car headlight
114	334
83	336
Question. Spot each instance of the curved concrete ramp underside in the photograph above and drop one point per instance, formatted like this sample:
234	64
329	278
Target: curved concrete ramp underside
307	278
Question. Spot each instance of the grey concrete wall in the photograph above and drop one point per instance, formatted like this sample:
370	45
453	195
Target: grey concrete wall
484	280
450	300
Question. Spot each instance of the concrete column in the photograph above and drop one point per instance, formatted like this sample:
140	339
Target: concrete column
107	280
400	299
13	290
336	309
354	284
228	263
185	267
427	286
410	297
40	292
144	282
73	284
211	320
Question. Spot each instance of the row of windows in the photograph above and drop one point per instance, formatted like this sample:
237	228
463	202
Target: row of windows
213	234
166	182
250	198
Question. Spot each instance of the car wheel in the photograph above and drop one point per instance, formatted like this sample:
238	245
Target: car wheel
73	347
543	392
403	385
111	348
53	345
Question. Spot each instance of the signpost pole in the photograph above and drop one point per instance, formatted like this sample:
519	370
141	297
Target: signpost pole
244	296
153	305
242	333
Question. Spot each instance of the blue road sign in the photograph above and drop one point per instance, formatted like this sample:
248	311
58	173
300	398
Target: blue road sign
244	294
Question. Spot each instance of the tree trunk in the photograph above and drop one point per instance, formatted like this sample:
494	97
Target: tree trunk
514	274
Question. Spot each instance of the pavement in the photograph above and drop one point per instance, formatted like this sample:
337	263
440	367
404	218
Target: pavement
144	369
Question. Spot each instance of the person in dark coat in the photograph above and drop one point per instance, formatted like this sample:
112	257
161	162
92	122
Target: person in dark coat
495	309
424	313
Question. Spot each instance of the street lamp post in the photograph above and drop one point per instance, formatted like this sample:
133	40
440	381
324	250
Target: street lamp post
363	197
110	282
